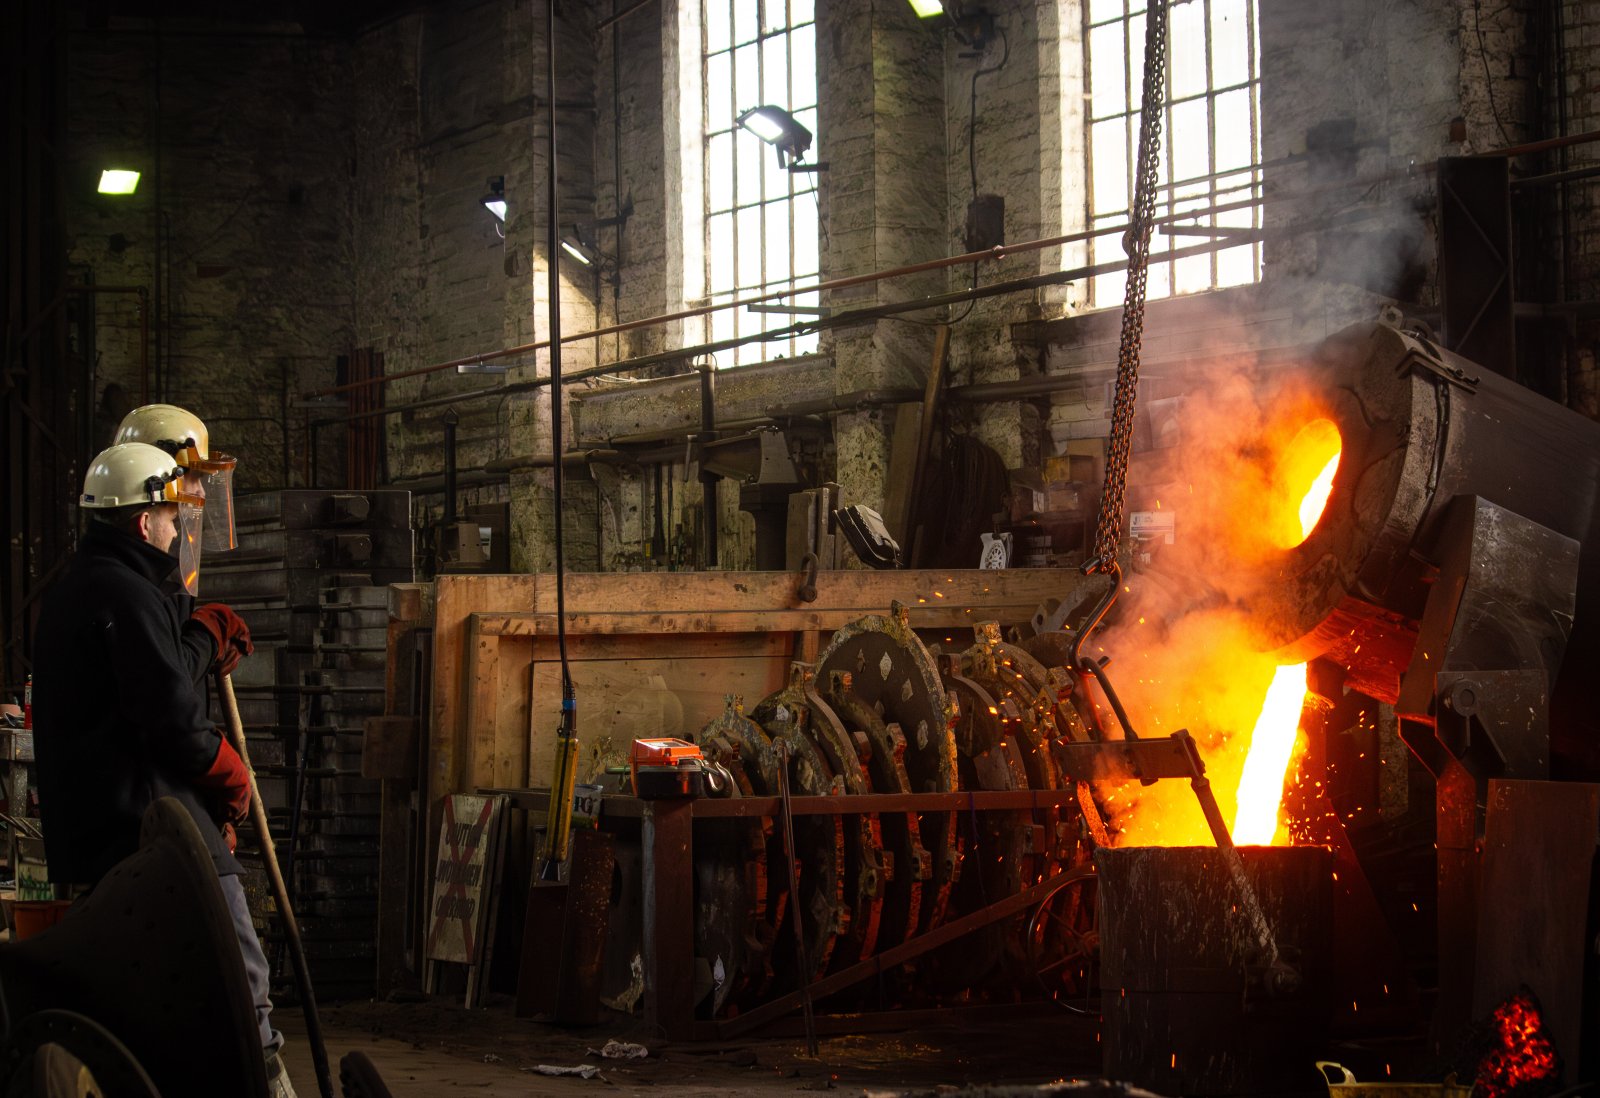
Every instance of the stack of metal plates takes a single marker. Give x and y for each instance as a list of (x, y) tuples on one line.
[(310, 579)]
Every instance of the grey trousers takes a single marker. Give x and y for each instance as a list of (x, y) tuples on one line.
[(255, 961)]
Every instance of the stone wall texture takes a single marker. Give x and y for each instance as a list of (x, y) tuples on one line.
[(315, 194)]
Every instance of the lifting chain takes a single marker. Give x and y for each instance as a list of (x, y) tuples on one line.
[(1108, 532)]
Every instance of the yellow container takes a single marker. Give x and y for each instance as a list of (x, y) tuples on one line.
[(1342, 1084)]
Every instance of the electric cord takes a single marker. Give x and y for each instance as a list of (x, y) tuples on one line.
[(1488, 79)]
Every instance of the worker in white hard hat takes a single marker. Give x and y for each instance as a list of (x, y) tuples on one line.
[(216, 636), (120, 718), (208, 476)]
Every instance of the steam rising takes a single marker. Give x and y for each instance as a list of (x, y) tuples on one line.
[(1251, 445)]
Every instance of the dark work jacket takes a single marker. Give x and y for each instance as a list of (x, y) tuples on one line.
[(118, 717)]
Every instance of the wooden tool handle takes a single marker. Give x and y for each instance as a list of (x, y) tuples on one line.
[(280, 890)]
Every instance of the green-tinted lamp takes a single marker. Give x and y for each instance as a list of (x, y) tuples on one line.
[(118, 181)]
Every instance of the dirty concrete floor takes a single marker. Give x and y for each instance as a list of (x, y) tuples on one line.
[(437, 1048)]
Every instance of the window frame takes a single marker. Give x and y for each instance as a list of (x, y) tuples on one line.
[(1236, 186), (725, 256)]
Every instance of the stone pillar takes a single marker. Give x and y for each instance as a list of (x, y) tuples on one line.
[(882, 134)]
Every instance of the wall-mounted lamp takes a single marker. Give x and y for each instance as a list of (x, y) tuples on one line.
[(495, 200), (972, 27), (780, 129), (579, 247), (119, 181), (580, 242)]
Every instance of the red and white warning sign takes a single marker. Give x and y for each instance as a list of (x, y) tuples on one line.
[(461, 894)]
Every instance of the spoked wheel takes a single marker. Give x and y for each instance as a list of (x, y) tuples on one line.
[(1064, 943), (59, 1054)]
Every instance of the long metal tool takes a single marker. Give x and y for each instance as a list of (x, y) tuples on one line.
[(795, 905), (280, 891)]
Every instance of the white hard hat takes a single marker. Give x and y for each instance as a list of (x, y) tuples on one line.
[(183, 434), (176, 430), (134, 473)]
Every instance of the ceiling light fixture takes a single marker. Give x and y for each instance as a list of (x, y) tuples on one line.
[(927, 9), (778, 128), (119, 181)]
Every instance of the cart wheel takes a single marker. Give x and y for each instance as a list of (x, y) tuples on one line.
[(359, 1078), (58, 1054), (1064, 943)]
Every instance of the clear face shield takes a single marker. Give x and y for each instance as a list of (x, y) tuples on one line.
[(205, 515)]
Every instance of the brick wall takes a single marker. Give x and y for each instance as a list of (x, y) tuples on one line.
[(249, 204), (322, 194)]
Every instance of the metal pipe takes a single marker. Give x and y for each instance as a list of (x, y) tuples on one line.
[(617, 17), (998, 252), (845, 319), (708, 480), (558, 830), (450, 421)]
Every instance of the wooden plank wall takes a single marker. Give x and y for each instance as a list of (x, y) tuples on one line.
[(496, 679)]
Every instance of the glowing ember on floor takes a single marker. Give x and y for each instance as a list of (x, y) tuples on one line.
[(1521, 1053)]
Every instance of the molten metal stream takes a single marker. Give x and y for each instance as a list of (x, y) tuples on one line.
[(1255, 821)]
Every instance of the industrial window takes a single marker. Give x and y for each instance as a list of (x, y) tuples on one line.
[(1210, 161), (760, 219)]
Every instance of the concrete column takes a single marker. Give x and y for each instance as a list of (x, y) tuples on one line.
[(882, 123)]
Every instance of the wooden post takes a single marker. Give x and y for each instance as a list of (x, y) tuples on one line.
[(667, 837)]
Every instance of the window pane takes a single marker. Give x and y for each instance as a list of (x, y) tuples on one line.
[(746, 17), (719, 170), (1234, 147), (1186, 47), (1237, 266), (749, 152), (746, 76), (1101, 10), (720, 110), (718, 26), (1108, 80), (759, 236), (775, 71), (1191, 134), (804, 211), (1135, 60), (1230, 43), (775, 180), (777, 228), (722, 327), (719, 250), (1193, 272), (1110, 152), (803, 68), (749, 246)]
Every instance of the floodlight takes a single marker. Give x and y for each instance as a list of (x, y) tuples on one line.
[(575, 246), (118, 181), (495, 200), (778, 128), (927, 9)]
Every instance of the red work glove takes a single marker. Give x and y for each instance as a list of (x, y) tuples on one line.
[(231, 837), (229, 783), (228, 632)]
